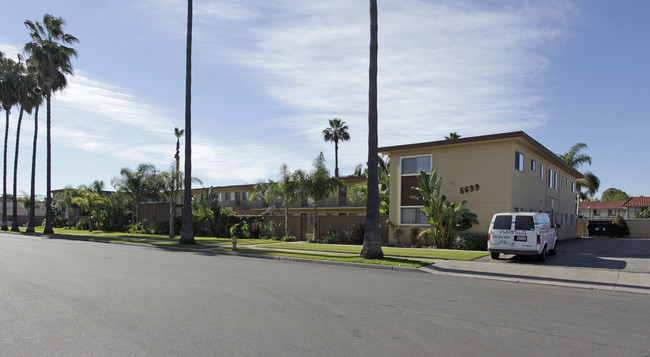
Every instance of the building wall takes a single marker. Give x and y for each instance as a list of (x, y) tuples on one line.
[(490, 166)]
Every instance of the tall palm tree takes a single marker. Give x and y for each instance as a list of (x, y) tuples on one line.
[(10, 73), (187, 232), (337, 131), (52, 59), (371, 240), (574, 158), (27, 99), (38, 99)]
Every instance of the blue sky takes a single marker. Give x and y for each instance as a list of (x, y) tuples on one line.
[(267, 75)]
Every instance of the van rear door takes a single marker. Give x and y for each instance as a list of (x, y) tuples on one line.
[(501, 235), (524, 237)]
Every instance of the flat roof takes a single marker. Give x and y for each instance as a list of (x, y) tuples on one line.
[(485, 138)]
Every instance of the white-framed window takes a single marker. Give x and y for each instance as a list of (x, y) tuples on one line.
[(610, 213), (519, 161), (230, 196), (596, 212), (550, 178), (541, 171), (533, 165), (410, 209), (413, 165), (555, 180), (573, 186), (412, 215)]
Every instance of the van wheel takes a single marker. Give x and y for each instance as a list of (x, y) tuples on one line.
[(554, 250), (495, 255), (542, 256)]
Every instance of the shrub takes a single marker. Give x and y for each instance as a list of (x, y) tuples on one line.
[(289, 239), (357, 233), (161, 227), (240, 230), (82, 225), (336, 236), (309, 237), (140, 228), (413, 235), (472, 241), (620, 227), (269, 230)]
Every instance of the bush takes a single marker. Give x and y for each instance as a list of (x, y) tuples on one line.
[(289, 239), (269, 230), (335, 236), (82, 225), (240, 230), (309, 237), (413, 235), (620, 227), (161, 227), (472, 241), (357, 233)]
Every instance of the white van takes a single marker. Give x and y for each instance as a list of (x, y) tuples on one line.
[(527, 233)]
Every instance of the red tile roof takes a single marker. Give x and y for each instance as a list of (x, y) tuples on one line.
[(601, 204), (638, 202)]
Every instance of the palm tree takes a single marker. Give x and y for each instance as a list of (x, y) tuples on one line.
[(574, 158), (371, 240), (318, 185), (288, 189), (134, 184), (452, 136), (88, 201), (27, 99), (38, 99), (337, 131), (52, 60), (10, 72), (175, 182), (187, 232)]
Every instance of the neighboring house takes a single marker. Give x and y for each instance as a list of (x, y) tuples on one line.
[(602, 209), (493, 173), (610, 209)]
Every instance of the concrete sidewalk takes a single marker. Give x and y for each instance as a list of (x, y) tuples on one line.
[(597, 279)]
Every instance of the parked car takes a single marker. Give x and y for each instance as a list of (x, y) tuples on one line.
[(527, 233)]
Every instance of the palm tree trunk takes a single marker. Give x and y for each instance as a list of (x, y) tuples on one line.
[(286, 220), (316, 234), (48, 198), (336, 158), (187, 232), (372, 241), (4, 177), (14, 222), (172, 211), (32, 203)]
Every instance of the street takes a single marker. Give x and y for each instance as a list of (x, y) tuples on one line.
[(76, 298)]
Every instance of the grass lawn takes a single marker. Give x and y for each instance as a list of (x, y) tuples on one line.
[(331, 257), (388, 251), (200, 240)]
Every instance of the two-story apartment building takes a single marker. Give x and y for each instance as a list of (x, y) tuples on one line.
[(610, 209), (493, 173)]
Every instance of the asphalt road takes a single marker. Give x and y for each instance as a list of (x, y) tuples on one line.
[(74, 298), (630, 255)]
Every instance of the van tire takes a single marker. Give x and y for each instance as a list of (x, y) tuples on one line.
[(494, 255), (542, 256), (554, 250)]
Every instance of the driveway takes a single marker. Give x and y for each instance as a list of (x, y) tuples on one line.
[(630, 255)]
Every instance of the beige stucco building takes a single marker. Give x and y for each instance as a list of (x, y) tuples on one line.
[(493, 173)]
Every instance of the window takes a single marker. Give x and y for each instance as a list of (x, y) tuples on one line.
[(219, 197), (596, 212), (502, 222), (519, 161), (524, 223), (413, 165), (550, 178), (567, 183), (555, 181), (610, 213), (413, 215), (541, 171), (230, 196), (410, 208), (533, 165), (573, 186), (246, 196)]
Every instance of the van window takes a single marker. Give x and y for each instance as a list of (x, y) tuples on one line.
[(524, 223), (502, 222)]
